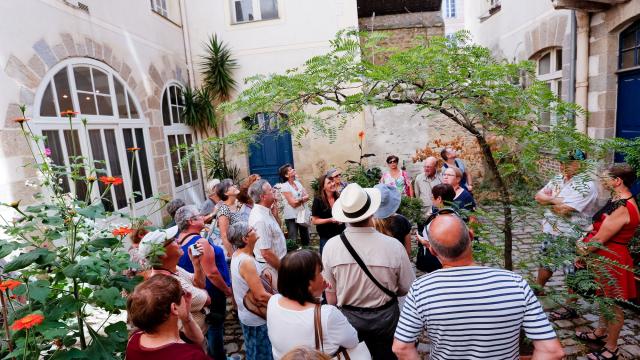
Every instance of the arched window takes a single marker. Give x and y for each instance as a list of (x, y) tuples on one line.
[(629, 46), (179, 136), (113, 124), (549, 70)]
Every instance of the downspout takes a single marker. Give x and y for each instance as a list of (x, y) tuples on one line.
[(582, 67), (571, 89)]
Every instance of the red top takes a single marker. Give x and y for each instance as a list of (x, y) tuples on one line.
[(174, 351)]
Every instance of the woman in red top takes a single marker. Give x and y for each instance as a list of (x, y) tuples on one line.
[(154, 307), (613, 228)]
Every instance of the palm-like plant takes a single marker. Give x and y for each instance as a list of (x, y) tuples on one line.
[(217, 68), (199, 110)]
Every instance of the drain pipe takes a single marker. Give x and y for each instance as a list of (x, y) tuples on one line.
[(571, 89), (582, 67), (186, 39)]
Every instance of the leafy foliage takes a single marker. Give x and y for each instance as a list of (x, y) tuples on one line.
[(217, 68), (64, 253), (199, 111)]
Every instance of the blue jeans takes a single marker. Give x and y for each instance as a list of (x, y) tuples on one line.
[(256, 342), (215, 334)]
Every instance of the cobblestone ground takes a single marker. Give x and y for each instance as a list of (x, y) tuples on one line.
[(525, 249)]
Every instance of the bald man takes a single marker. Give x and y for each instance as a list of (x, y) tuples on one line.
[(424, 182), (470, 311)]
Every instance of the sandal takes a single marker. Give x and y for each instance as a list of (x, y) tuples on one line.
[(563, 314), (591, 336), (603, 354)]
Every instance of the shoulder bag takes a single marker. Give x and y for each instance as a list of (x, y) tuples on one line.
[(364, 268), (360, 352)]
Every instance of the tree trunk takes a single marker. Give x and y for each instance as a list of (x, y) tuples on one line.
[(506, 200)]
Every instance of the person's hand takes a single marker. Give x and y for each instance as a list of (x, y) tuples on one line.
[(334, 221), (469, 187), (547, 191), (579, 263), (327, 285), (423, 241), (228, 291), (195, 260), (305, 198)]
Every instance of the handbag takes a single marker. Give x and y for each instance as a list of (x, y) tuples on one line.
[(252, 304), (304, 216), (360, 352)]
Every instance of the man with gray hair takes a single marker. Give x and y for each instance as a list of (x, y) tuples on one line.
[(470, 311), (424, 182), (271, 245)]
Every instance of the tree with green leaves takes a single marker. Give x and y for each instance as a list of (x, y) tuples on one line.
[(499, 103)]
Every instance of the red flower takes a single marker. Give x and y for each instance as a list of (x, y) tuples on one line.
[(133, 149), (9, 284), (111, 180), (361, 135), (69, 113), (20, 120), (27, 322), (122, 231)]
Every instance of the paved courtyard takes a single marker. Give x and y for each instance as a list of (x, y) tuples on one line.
[(525, 248)]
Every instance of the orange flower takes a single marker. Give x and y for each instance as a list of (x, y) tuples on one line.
[(27, 322), (122, 231), (9, 284), (361, 135), (69, 113), (20, 120), (132, 149), (111, 180)]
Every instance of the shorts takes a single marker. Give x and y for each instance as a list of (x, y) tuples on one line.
[(558, 252)]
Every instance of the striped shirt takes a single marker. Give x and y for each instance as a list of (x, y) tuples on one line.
[(472, 312)]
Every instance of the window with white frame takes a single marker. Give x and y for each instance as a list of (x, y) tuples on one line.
[(113, 124), (160, 7), (243, 11), (449, 8), (179, 137), (549, 70)]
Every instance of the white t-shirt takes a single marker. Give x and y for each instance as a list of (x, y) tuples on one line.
[(292, 328), (240, 289), (579, 193), (290, 212)]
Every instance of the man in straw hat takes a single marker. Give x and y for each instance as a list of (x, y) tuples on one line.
[(366, 270)]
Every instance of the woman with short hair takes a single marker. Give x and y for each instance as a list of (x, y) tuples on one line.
[(397, 177), (228, 212), (291, 313), (154, 307), (295, 199), (247, 283), (450, 157)]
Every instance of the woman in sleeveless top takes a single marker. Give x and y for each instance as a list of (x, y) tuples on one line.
[(613, 228), (397, 177)]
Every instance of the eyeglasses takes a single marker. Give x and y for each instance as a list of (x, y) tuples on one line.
[(392, 162), (443, 211)]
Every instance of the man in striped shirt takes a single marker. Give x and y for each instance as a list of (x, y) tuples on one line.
[(470, 311)]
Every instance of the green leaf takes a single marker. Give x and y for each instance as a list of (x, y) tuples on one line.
[(70, 354), (7, 247), (93, 211), (23, 260), (39, 290), (102, 243), (118, 331), (109, 298)]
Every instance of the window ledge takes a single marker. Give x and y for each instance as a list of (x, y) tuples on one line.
[(166, 18), (629, 69), (254, 21), (492, 10)]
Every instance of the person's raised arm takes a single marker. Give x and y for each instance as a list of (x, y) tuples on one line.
[(198, 272), (189, 327), (208, 261)]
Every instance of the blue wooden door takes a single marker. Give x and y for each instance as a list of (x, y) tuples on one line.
[(628, 114), (271, 150)]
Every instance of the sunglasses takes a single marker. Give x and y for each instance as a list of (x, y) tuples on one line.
[(392, 162)]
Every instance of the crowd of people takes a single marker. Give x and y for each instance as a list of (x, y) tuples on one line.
[(358, 294)]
